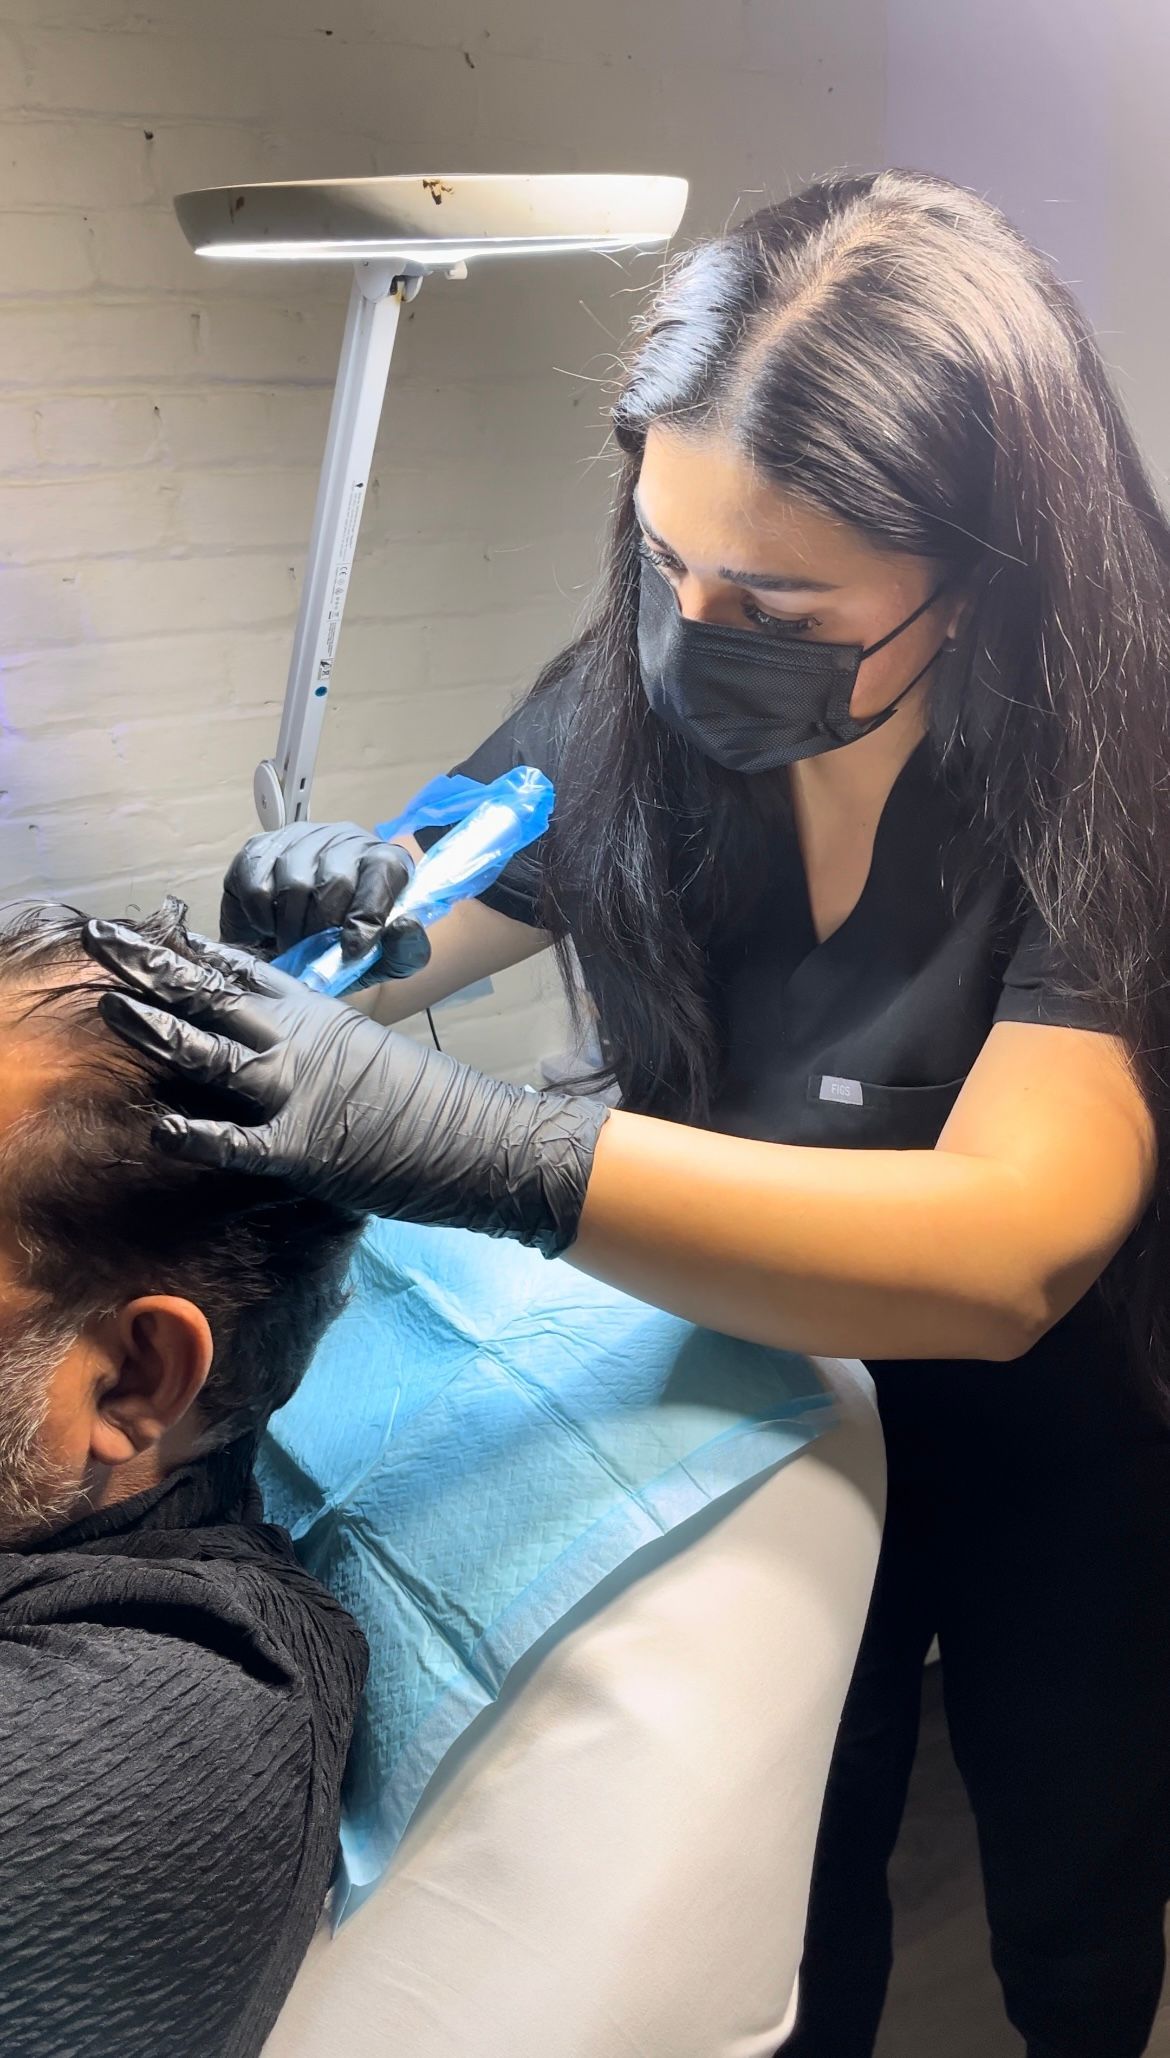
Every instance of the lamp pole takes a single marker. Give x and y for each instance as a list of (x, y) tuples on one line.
[(281, 785)]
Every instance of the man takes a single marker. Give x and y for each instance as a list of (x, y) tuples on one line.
[(176, 1695)]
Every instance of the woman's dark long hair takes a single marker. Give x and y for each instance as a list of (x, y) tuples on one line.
[(889, 349)]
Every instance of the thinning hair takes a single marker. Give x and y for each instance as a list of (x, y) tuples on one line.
[(101, 1217)]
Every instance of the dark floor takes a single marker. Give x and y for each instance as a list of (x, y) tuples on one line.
[(943, 1997)]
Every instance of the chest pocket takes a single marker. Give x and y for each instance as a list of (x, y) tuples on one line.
[(882, 1117)]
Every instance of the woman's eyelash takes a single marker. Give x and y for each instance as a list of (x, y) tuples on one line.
[(778, 625), (658, 557)]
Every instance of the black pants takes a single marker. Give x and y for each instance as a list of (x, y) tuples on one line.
[(1029, 1526)]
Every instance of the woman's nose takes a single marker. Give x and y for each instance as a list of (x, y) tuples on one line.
[(699, 600)]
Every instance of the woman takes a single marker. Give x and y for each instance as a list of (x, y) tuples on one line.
[(863, 850)]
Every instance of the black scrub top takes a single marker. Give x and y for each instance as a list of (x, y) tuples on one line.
[(863, 1040)]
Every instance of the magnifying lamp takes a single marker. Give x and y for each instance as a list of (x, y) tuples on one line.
[(395, 232)]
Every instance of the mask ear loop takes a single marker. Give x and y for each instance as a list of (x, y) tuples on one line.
[(943, 647), (947, 644), (883, 713), (871, 649)]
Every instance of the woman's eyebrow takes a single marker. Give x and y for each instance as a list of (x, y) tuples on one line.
[(761, 582)]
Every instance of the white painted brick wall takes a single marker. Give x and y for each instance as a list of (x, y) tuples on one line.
[(161, 419)]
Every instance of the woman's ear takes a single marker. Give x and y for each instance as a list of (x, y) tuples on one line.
[(158, 1353)]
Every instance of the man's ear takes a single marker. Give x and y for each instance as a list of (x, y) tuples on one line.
[(159, 1352)]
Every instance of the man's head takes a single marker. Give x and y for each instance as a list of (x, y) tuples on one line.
[(148, 1309)]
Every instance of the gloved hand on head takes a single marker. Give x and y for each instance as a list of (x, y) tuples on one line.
[(344, 1110), (291, 883)]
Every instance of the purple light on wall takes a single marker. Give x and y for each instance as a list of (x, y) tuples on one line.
[(1011, 97)]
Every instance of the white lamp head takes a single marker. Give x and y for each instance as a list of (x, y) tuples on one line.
[(431, 224)]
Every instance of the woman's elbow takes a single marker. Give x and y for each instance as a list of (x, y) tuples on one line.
[(997, 1324), (1023, 1319), (1009, 1342)]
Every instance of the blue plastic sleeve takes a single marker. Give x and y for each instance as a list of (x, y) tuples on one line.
[(493, 823)]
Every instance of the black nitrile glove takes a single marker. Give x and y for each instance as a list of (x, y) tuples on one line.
[(291, 883), (346, 1111)]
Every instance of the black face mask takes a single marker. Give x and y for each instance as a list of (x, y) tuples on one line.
[(746, 702)]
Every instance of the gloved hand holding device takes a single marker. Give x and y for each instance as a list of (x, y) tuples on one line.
[(294, 882)]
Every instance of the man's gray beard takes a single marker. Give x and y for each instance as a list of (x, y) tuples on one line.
[(36, 1495)]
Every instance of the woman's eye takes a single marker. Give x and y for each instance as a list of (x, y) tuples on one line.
[(772, 625), (666, 565), (779, 625)]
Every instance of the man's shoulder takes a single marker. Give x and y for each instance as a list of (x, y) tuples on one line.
[(233, 1627), (173, 1742), (289, 1613)]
